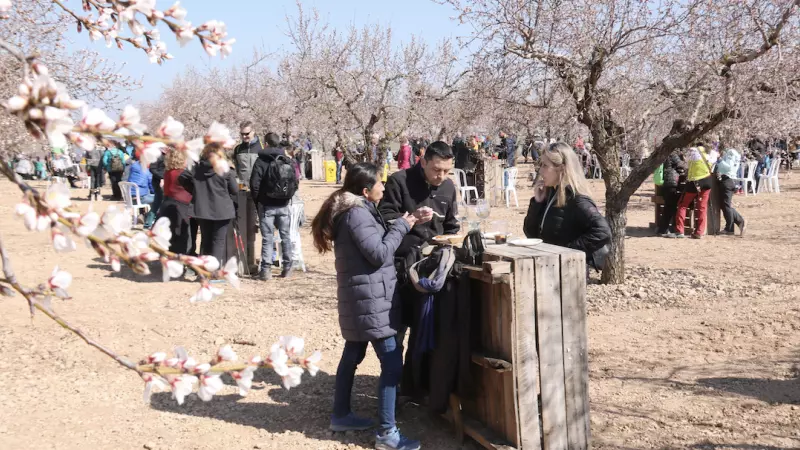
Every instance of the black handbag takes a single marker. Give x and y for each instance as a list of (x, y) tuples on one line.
[(471, 251)]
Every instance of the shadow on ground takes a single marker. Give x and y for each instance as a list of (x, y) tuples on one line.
[(306, 409)]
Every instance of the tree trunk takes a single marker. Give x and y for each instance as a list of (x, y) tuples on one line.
[(616, 214)]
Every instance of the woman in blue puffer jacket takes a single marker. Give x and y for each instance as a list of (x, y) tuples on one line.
[(369, 311)]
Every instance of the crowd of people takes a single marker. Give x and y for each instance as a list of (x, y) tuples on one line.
[(377, 233)]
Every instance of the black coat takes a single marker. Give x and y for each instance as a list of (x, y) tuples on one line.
[(406, 191), (257, 177), (212, 195), (578, 224)]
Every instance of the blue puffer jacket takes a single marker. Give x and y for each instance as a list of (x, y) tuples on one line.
[(365, 272), (141, 177)]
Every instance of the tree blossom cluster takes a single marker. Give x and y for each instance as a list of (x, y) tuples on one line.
[(182, 373), (113, 238)]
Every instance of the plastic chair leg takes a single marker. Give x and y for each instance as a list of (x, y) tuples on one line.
[(516, 201)]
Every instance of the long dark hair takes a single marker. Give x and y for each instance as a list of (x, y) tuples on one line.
[(359, 177)]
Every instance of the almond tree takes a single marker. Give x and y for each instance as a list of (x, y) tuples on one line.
[(667, 70), (45, 108)]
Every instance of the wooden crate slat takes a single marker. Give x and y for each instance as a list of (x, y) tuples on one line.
[(576, 356), (509, 407), (525, 358), (551, 353), (506, 295)]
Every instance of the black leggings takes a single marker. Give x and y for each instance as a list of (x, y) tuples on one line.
[(214, 234)]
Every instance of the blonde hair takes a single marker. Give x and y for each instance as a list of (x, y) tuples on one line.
[(562, 156), (175, 159)]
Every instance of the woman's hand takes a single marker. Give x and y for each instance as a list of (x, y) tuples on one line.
[(540, 191), (410, 218)]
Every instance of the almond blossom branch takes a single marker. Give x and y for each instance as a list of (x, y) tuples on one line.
[(33, 302)]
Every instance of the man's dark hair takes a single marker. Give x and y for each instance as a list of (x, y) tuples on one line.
[(440, 149), (273, 140), (246, 124)]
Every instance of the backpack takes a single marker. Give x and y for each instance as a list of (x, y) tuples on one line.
[(280, 178), (116, 163), (658, 176)]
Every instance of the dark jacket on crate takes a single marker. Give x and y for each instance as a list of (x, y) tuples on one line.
[(578, 224), (406, 191), (257, 177), (364, 247), (212, 195)]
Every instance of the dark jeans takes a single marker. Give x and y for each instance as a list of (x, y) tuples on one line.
[(95, 177), (390, 353), (215, 233), (671, 196), (193, 229), (158, 197), (732, 217), (270, 218), (115, 177)]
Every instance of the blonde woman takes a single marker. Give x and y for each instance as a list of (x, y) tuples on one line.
[(561, 211)]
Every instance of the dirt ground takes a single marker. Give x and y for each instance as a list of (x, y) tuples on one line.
[(699, 350)]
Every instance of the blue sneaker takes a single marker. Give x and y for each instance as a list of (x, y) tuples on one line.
[(350, 422), (393, 440)]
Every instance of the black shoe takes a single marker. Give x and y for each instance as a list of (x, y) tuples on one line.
[(287, 271), (265, 274)]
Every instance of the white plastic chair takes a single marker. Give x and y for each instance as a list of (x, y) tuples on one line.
[(54, 180), (597, 173), (295, 212), (463, 187), (748, 179), (771, 177), (127, 197), (509, 186), (625, 168)]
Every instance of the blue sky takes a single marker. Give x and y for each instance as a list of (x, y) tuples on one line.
[(262, 24)]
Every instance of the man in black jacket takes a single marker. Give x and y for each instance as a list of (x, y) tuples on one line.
[(272, 212), (426, 184)]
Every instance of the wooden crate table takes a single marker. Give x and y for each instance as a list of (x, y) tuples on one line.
[(531, 370)]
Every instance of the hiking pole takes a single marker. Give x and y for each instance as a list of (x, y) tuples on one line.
[(240, 250)]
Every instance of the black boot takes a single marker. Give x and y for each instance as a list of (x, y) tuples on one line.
[(265, 274)]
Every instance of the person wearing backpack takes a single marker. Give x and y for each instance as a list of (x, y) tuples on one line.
[(114, 162), (272, 185)]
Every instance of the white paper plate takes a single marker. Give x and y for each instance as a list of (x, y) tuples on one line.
[(525, 242)]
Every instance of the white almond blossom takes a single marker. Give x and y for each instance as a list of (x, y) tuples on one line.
[(226, 353), (209, 262), (153, 382), (244, 379), (60, 279), (88, 223), (170, 128), (293, 345), (310, 363), (182, 386), (176, 11), (156, 357), (185, 34), (229, 272), (57, 196), (61, 242), (209, 386), (170, 269), (206, 293)]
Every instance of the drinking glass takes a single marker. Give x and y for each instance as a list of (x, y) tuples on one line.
[(482, 210), (463, 214)]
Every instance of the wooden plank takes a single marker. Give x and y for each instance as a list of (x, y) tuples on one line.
[(482, 435), (525, 359), (506, 300), (551, 351), (458, 421), (576, 356), (498, 365), (509, 410), (497, 267)]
